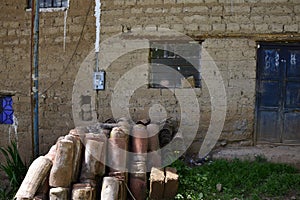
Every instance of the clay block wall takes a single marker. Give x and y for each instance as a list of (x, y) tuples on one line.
[(57, 67), (229, 30), (200, 17)]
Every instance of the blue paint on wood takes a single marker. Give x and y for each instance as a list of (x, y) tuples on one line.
[(6, 110)]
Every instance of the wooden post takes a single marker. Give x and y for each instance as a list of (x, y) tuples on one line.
[(123, 179), (36, 174), (51, 153), (117, 156), (138, 180), (154, 155), (59, 193), (125, 126), (171, 183), (110, 188), (117, 132), (93, 163), (61, 172), (157, 181), (83, 191), (117, 150), (153, 141), (77, 156), (139, 139), (43, 191)]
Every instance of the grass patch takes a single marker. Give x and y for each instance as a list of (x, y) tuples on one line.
[(239, 179)]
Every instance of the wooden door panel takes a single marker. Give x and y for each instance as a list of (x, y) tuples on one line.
[(278, 94)]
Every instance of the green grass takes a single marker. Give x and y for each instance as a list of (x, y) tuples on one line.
[(239, 179)]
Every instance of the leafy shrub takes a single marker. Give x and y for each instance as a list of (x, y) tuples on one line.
[(14, 168)]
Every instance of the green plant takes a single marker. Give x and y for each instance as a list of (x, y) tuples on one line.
[(14, 168), (239, 179), (4, 195), (260, 158), (190, 181)]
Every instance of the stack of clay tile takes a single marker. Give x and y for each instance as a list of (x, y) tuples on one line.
[(75, 167)]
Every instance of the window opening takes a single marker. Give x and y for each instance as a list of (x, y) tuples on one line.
[(51, 3), (175, 64)]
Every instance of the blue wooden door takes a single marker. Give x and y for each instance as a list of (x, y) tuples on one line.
[(278, 93)]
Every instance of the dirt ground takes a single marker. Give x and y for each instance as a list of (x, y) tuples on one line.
[(277, 154)]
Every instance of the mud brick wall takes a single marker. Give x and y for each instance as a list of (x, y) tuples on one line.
[(229, 31), (57, 67), (201, 17)]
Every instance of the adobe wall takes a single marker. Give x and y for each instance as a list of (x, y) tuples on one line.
[(229, 30), (57, 67)]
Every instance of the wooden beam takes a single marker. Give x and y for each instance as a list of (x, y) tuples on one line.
[(278, 37)]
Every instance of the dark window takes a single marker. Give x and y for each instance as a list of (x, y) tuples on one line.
[(51, 3), (6, 110), (175, 64)]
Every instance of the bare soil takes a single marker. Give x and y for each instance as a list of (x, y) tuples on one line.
[(277, 154)]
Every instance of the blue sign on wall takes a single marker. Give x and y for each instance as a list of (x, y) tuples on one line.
[(6, 110)]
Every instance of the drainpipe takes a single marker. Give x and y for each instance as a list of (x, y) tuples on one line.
[(98, 29), (97, 46), (35, 6)]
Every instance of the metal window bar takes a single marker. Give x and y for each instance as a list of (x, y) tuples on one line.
[(50, 3)]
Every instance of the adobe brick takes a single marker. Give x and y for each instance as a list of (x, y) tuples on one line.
[(11, 42), (211, 1), (291, 28), (136, 10), (297, 8), (175, 10), (119, 2), (247, 27), (277, 28), (155, 10), (219, 27), (217, 10), (10, 24), (195, 19), (205, 27), (170, 1), (149, 2), (233, 27), (274, 1), (190, 1), (196, 9), (243, 9), (262, 28), (130, 2), (178, 27), (191, 27)]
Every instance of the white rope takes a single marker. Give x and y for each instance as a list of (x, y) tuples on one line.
[(129, 191)]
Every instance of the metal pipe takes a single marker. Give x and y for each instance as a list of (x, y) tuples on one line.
[(35, 79), (32, 5)]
